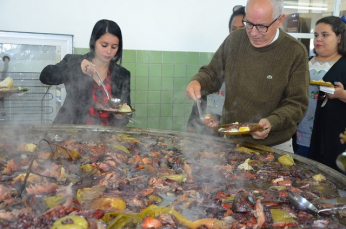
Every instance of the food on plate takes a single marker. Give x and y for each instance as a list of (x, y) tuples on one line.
[(125, 108), (244, 128), (237, 127), (7, 89), (7, 82), (322, 81), (112, 179), (210, 122)]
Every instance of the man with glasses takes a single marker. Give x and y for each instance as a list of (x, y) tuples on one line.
[(213, 103), (266, 76)]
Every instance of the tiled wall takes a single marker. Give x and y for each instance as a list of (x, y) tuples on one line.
[(158, 82)]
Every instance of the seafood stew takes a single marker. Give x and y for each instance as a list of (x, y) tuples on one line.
[(102, 177)]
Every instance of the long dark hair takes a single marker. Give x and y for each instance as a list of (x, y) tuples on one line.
[(339, 28), (107, 26)]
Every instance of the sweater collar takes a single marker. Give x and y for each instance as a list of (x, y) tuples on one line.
[(277, 40)]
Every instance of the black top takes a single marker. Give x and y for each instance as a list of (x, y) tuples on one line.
[(79, 88), (330, 121)]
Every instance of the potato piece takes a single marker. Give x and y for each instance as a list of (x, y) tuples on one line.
[(244, 128), (72, 221), (27, 147), (319, 177), (245, 165), (125, 108), (286, 159), (7, 82)]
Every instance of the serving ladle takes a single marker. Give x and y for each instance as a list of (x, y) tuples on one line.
[(199, 110), (112, 102), (341, 161), (303, 204)]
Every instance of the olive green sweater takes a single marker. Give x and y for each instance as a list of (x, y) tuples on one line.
[(269, 82)]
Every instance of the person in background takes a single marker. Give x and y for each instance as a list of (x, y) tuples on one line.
[(343, 137), (213, 103), (86, 99), (330, 121), (236, 19), (328, 33), (266, 74)]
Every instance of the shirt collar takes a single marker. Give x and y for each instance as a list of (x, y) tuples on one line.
[(276, 35)]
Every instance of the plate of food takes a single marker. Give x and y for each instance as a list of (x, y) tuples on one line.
[(7, 88), (123, 109), (321, 83), (5, 91), (238, 128)]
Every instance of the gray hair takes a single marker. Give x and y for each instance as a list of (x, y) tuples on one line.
[(278, 6)]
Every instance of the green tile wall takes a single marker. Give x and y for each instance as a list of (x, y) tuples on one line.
[(158, 82)]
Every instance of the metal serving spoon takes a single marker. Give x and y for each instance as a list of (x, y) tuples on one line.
[(112, 102), (199, 110), (303, 204), (341, 161)]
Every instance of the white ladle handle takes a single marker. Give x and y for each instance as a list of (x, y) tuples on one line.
[(329, 209), (199, 108), (104, 87)]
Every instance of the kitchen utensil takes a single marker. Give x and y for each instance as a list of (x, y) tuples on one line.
[(341, 161), (199, 110), (112, 102), (324, 101), (341, 200), (303, 204)]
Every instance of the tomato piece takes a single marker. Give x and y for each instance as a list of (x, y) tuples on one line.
[(151, 222), (226, 205), (286, 183), (222, 195)]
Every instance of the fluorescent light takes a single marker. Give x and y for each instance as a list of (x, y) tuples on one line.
[(305, 8)]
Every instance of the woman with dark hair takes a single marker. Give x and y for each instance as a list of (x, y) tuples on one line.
[(86, 99), (327, 111), (236, 19)]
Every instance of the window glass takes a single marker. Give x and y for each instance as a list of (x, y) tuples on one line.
[(301, 16), (343, 8)]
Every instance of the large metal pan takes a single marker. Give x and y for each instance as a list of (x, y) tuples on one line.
[(189, 145), (29, 133)]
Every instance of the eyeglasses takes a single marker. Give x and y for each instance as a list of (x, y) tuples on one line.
[(237, 7), (260, 28)]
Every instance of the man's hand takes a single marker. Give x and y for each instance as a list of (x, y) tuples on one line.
[(263, 134), (193, 90)]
